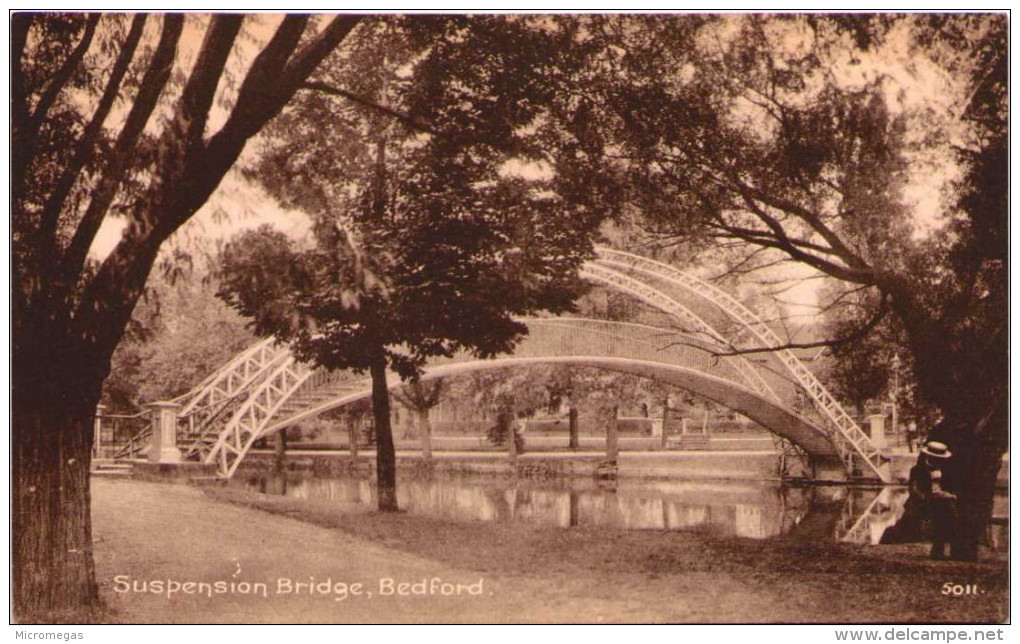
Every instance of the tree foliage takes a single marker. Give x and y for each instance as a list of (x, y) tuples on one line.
[(427, 241), (793, 138), (179, 333)]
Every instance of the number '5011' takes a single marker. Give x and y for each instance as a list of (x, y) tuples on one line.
[(949, 588)]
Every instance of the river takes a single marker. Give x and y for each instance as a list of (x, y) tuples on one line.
[(756, 510)]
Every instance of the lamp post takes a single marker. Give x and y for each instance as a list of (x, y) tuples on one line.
[(895, 394)]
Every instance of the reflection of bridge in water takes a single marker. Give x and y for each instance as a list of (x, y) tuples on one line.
[(719, 509), (264, 389)]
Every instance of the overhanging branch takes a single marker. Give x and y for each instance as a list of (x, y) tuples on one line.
[(406, 119), (858, 334)]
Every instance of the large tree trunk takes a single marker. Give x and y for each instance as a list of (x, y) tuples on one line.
[(971, 473), (425, 429), (54, 573), (977, 449), (969, 384), (386, 456), (976, 493)]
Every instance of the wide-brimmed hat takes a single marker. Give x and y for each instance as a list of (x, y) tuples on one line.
[(936, 449)]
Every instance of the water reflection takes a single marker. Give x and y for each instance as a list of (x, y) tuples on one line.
[(754, 510)]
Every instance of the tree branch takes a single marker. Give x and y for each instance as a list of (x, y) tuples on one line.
[(205, 76), (406, 119), (269, 91), (262, 85), (153, 83), (300, 67), (839, 247), (86, 145), (784, 243), (746, 233), (59, 80), (27, 125), (857, 334)]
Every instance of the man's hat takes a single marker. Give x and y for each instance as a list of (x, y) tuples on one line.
[(936, 449)]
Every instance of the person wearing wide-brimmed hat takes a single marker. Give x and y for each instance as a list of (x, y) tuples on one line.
[(940, 500)]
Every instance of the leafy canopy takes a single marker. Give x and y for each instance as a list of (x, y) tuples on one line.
[(433, 228)]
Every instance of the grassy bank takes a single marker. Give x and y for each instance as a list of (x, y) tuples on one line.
[(727, 580)]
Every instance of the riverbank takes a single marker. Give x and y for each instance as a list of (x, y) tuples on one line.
[(147, 531)]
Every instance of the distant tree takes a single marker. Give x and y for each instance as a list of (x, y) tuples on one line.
[(420, 397), (75, 163), (507, 395), (350, 416)]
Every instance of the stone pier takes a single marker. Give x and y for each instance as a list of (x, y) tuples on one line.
[(164, 433), (877, 430)]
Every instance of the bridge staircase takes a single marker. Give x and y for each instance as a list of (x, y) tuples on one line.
[(110, 467)]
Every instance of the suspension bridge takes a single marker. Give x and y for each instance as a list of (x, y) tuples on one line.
[(705, 349)]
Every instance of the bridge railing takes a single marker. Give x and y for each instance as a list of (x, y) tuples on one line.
[(849, 439), (130, 434)]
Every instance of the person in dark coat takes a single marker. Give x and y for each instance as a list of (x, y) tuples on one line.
[(933, 485)]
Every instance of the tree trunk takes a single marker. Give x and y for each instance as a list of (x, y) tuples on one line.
[(976, 500), (385, 454), (54, 573), (575, 441), (280, 448), (425, 429), (612, 436), (505, 422), (575, 509), (664, 437), (352, 437), (975, 472)]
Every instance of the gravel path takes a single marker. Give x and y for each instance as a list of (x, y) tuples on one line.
[(147, 531)]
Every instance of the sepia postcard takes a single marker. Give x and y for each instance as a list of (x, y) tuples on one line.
[(510, 318)]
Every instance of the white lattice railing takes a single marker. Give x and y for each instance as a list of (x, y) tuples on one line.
[(848, 439), (656, 298), (690, 320)]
